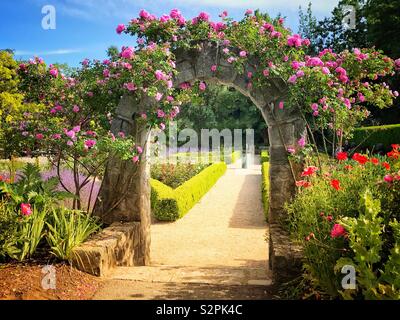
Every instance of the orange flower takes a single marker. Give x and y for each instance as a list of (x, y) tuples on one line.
[(386, 165), (375, 161)]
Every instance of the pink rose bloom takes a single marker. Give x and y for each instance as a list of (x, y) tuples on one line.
[(76, 109), (90, 144), (231, 59), (214, 68), (26, 209), (159, 75), (121, 28), (127, 53), (338, 231), (70, 134), (159, 96), (54, 72), (39, 136), (243, 53), (181, 21), (121, 134), (202, 86), (300, 73), (76, 129), (164, 18), (292, 79), (139, 149), (294, 41), (130, 86), (144, 116), (314, 62), (56, 136), (249, 75), (175, 14), (266, 72), (160, 113), (302, 142), (170, 99), (325, 70), (281, 105), (162, 126), (224, 14), (135, 159), (144, 14), (106, 73), (70, 143), (314, 107), (203, 16), (291, 150), (248, 12)]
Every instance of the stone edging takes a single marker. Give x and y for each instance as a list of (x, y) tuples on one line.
[(113, 246)]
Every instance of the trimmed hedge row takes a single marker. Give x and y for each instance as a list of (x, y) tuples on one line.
[(264, 156), (375, 135), (265, 187), (172, 204), (208, 157)]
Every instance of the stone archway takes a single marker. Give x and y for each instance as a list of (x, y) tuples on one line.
[(125, 191)]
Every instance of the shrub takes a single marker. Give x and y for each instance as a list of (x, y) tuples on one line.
[(171, 204), (325, 216), (67, 229), (370, 137), (265, 187), (264, 156)]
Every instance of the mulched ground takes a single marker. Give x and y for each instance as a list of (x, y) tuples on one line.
[(23, 281)]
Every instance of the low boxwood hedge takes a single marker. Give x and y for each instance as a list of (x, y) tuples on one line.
[(265, 187), (264, 156), (172, 204), (370, 137)]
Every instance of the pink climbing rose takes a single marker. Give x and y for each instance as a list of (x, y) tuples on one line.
[(120, 28), (202, 86), (90, 144), (243, 53), (54, 72), (214, 68)]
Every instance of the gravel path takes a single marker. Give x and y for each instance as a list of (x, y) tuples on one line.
[(217, 251), (226, 228)]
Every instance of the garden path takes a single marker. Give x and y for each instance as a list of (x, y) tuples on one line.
[(218, 250)]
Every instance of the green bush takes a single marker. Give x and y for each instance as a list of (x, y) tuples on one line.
[(264, 156), (172, 204), (369, 137), (265, 187), (209, 157), (68, 229), (333, 199)]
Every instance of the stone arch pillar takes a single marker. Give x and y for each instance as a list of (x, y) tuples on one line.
[(124, 195)]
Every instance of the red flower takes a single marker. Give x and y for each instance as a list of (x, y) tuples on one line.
[(388, 178), (341, 156), (360, 158), (375, 161), (395, 146), (26, 209), (1, 178), (386, 165), (303, 183), (335, 184), (329, 218), (309, 171), (338, 231)]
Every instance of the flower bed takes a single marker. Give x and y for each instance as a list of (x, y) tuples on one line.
[(171, 204), (346, 217)]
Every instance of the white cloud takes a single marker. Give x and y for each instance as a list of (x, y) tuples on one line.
[(46, 53)]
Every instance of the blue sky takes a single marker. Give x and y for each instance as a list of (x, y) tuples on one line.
[(86, 28)]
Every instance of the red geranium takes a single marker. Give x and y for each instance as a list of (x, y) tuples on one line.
[(303, 183), (338, 231), (335, 184), (386, 165), (375, 161), (309, 171), (360, 158), (341, 156)]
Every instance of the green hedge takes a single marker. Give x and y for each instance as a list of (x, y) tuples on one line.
[(264, 156), (172, 204), (265, 187), (385, 135)]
